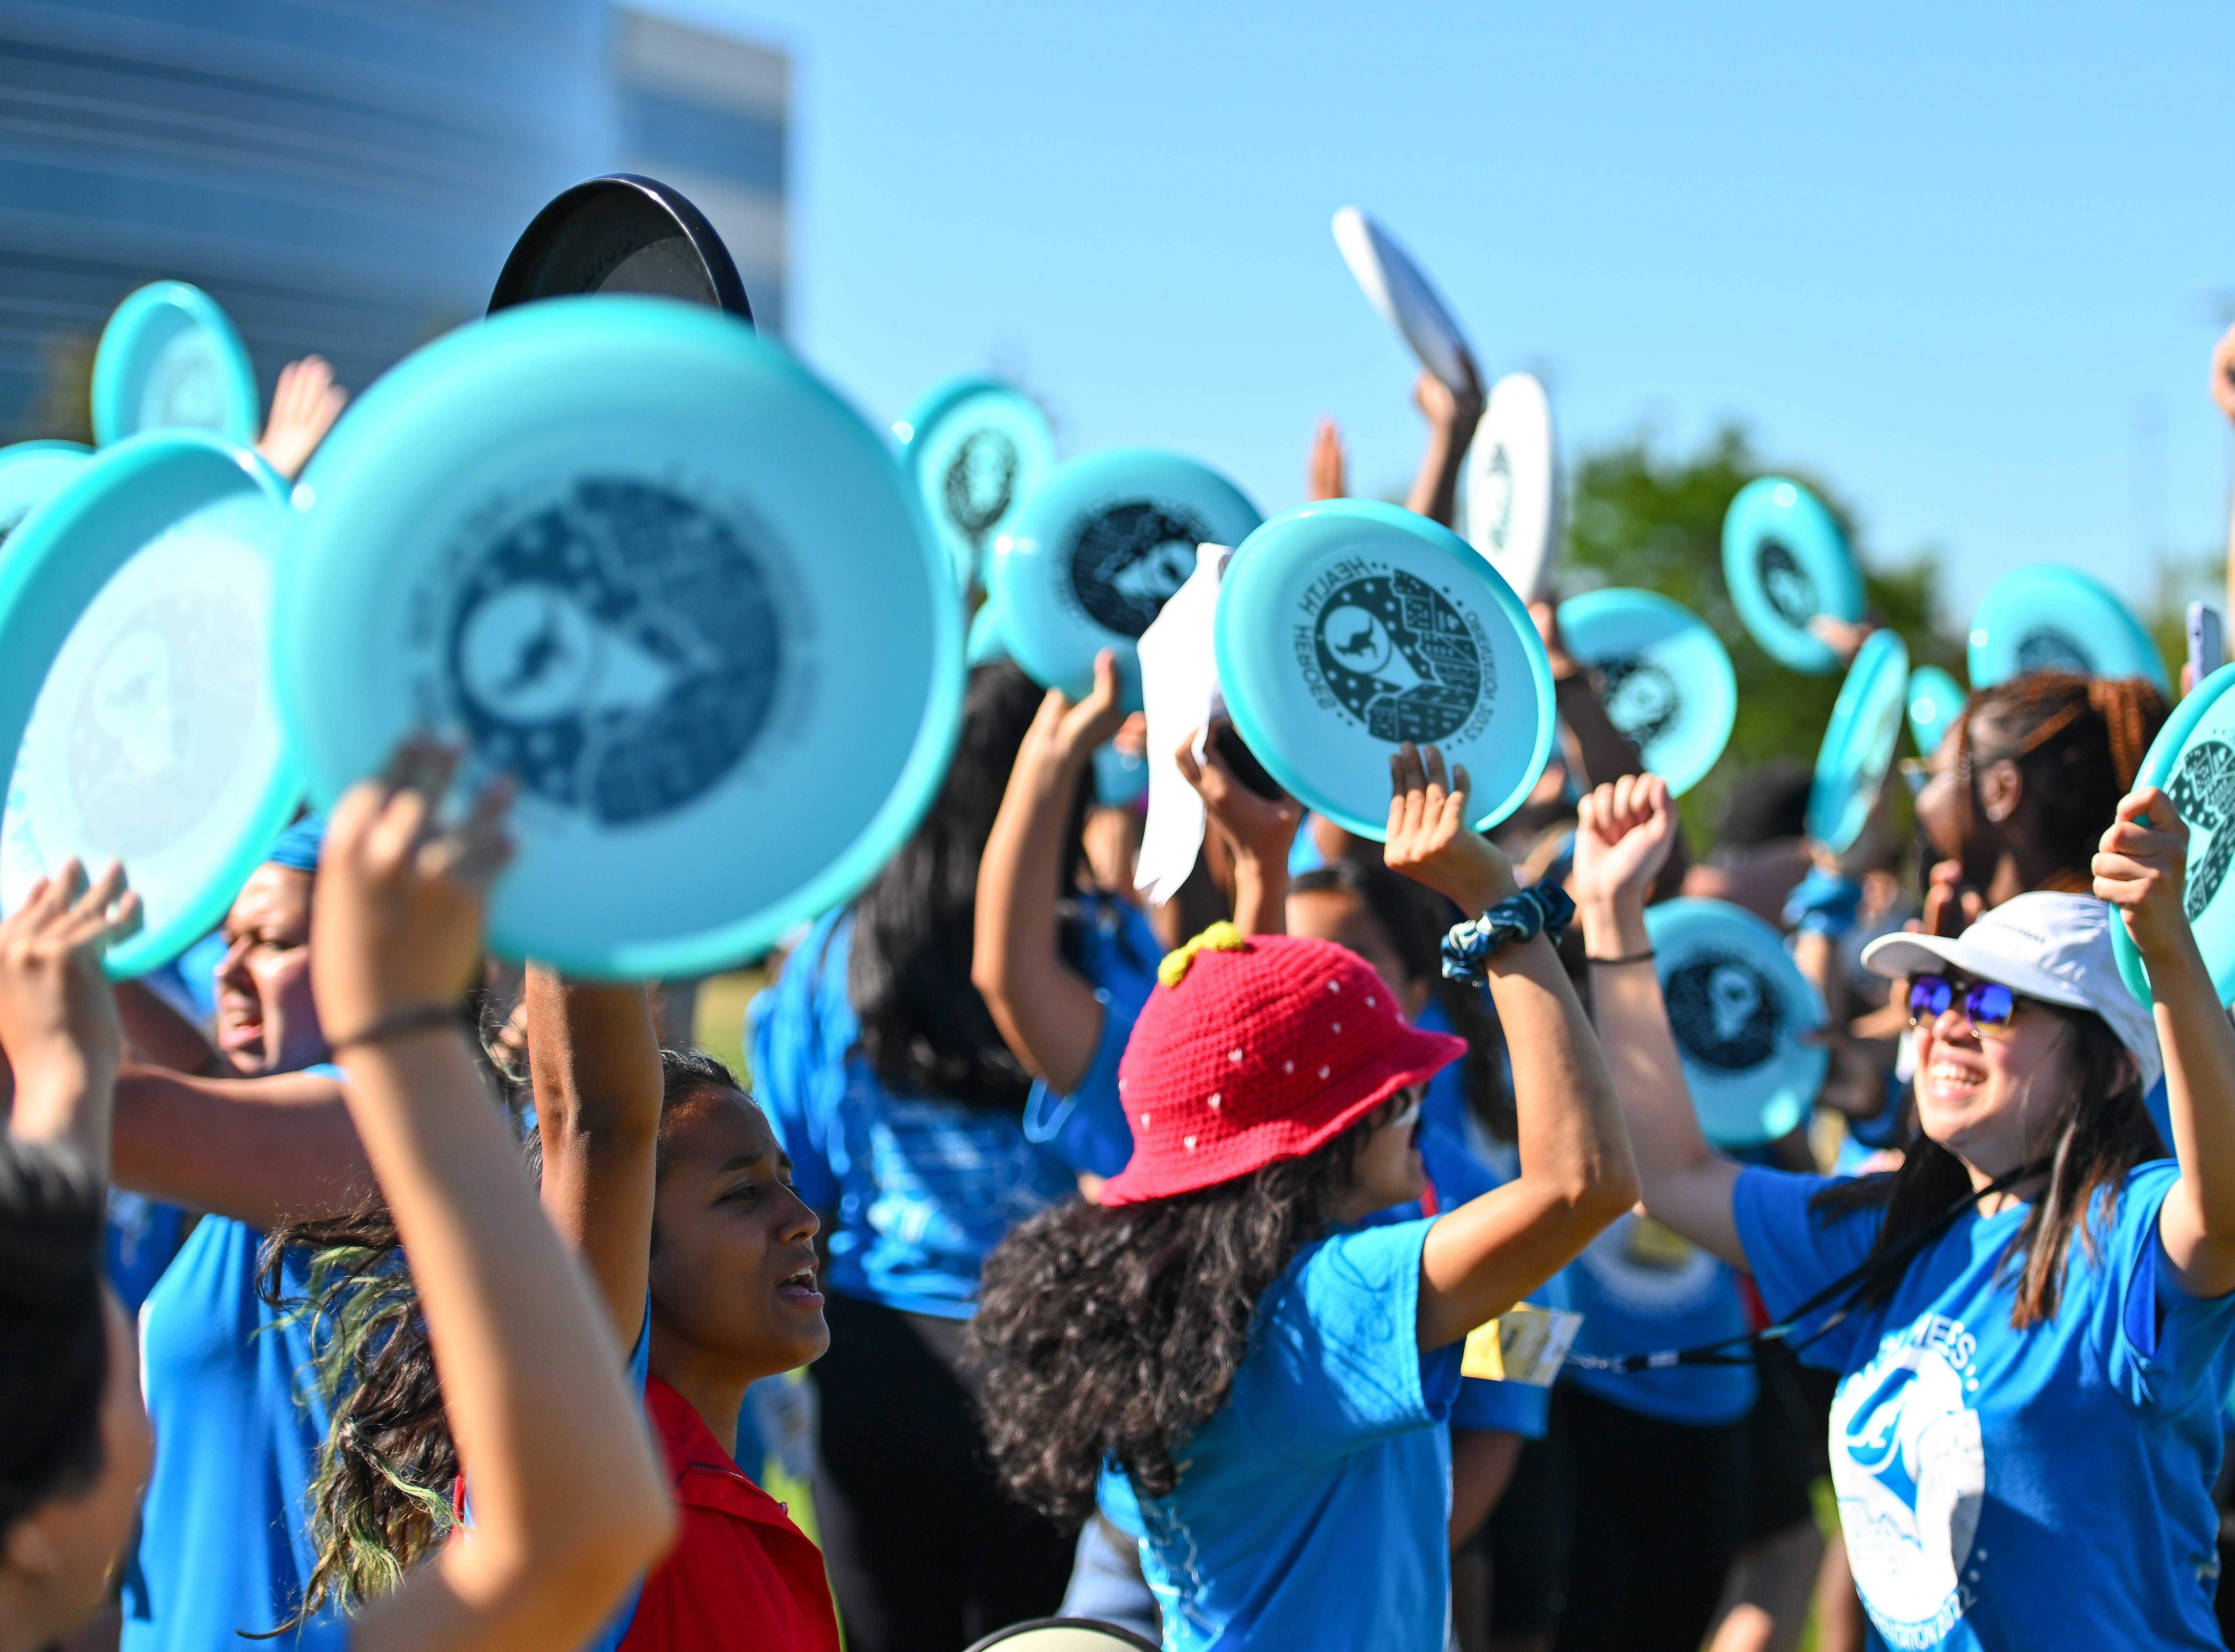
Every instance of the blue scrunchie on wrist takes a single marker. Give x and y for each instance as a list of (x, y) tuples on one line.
[(1544, 909)]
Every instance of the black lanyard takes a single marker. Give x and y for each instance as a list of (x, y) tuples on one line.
[(1755, 1346)]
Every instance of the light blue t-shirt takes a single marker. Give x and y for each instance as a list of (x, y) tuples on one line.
[(2004, 1489), (223, 1545), (1642, 1289), (923, 1188), (1312, 1509)]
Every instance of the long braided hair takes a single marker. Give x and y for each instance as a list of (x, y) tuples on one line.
[(2078, 743)]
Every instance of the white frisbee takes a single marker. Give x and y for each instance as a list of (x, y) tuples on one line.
[(1513, 486), (1395, 286)]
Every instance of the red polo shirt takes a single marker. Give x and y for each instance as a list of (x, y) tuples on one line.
[(742, 1577)]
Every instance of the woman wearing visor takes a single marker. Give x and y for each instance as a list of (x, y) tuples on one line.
[(2032, 1315)]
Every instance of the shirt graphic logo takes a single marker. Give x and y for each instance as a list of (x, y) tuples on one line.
[(1644, 1268), (617, 649), (1642, 699), (1129, 559), (1401, 659), (1912, 1474), (2046, 648), (1724, 1012), (1786, 583), (2202, 790), (981, 483)]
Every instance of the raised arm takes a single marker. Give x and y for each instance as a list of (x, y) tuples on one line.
[(1576, 1172), (258, 1149), (1452, 417), (1605, 753), (1046, 1012), (1622, 836), (593, 1059), (1259, 832), (2141, 870), (568, 1507), (57, 1017), (2222, 396)]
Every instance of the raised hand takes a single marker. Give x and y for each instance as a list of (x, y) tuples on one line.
[(1624, 831), (1327, 477), (57, 1014), (305, 405), (1262, 828), (2142, 868), (1429, 840), (396, 923), (1066, 731), (1950, 909)]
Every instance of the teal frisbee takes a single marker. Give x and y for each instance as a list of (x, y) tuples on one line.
[(1741, 1012), (1859, 742), (1669, 686), (134, 694), (1348, 627), (977, 450), (170, 359), (2046, 618), (627, 552), (2192, 761), (30, 473), (1786, 561), (1097, 551), (1936, 700), (987, 642)]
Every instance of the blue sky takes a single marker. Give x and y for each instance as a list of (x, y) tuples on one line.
[(1965, 262)]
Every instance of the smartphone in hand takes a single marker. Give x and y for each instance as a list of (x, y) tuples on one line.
[(2207, 645)]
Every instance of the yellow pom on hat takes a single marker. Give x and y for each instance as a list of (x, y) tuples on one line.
[(1220, 937)]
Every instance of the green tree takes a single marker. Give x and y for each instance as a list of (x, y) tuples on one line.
[(1644, 518)]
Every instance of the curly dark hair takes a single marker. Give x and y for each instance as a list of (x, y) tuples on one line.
[(1114, 1332), (380, 1498)]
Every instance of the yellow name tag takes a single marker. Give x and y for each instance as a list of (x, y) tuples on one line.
[(1525, 1344)]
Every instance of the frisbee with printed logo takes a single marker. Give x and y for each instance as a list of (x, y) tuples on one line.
[(30, 473), (2046, 618), (1095, 552), (1394, 284), (1348, 627), (640, 559), (621, 233), (1741, 1012), (1859, 742), (136, 690), (1669, 687), (2193, 760), (1936, 700), (1786, 561), (978, 449), (170, 359), (1513, 486)]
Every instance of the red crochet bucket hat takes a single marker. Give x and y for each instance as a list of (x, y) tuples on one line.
[(1256, 1049)]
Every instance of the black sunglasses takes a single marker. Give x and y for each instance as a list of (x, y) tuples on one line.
[(1989, 1006)]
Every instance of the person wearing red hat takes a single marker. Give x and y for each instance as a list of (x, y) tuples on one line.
[(1220, 1342)]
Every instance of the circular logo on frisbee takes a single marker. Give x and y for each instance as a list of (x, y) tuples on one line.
[(2046, 648), (1129, 559), (1401, 659), (1498, 496), (1724, 1012), (1786, 583), (981, 483), (617, 650), (1642, 699), (2202, 790)]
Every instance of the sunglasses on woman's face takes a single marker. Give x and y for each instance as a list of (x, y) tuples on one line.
[(1988, 1006)]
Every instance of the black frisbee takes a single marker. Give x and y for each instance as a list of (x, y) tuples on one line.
[(621, 233)]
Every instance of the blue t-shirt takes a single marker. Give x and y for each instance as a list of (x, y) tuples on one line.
[(1640, 1289), (2007, 1488), (922, 1188), (142, 1235), (1312, 1509), (223, 1545)]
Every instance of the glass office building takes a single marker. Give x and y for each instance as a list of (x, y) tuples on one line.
[(343, 176)]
